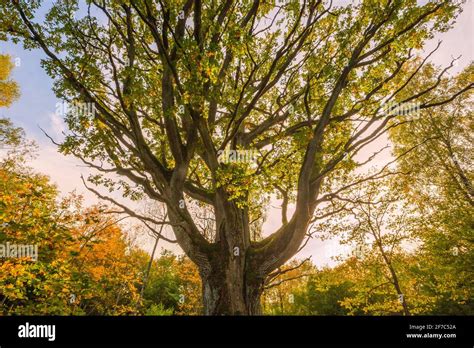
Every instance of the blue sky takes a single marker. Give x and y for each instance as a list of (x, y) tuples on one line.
[(37, 104)]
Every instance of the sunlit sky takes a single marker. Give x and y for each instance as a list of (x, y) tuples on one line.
[(37, 104)]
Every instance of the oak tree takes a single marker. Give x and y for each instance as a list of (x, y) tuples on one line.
[(222, 105)]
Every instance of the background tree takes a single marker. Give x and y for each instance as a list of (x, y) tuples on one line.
[(175, 83), (325, 292), (9, 90), (377, 224), (284, 286), (439, 184), (174, 287), (81, 265), (106, 276), (28, 216)]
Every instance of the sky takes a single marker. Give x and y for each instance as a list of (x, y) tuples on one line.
[(37, 104)]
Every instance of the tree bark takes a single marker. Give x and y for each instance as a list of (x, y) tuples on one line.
[(231, 284), (225, 293), (395, 281)]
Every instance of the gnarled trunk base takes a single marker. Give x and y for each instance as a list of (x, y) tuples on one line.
[(227, 293)]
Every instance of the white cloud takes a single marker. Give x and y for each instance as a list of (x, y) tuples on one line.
[(57, 125)]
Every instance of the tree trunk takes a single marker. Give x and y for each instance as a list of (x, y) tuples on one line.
[(231, 281), (230, 285), (226, 293)]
